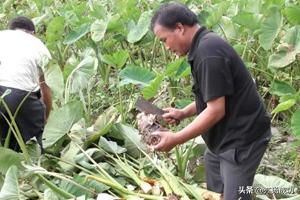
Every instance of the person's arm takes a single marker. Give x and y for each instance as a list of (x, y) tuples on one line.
[(46, 95), (213, 113), (190, 110)]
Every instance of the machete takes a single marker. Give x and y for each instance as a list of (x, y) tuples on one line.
[(149, 108)]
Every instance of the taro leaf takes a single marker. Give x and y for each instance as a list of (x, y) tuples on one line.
[(115, 24), (292, 13), (183, 70), (281, 59), (34, 149), (103, 124), (219, 10), (247, 20), (77, 191), (281, 88), (136, 75), (131, 137), (263, 181), (288, 50), (141, 28), (284, 106), (68, 154), (55, 31), (178, 68), (173, 67), (54, 79), (98, 29), (270, 27), (11, 158), (60, 122), (296, 123), (152, 89), (239, 48), (110, 146), (229, 28), (49, 194), (117, 59), (10, 188), (82, 74), (83, 160), (76, 34)]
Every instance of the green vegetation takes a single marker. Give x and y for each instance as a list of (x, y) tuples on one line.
[(104, 56)]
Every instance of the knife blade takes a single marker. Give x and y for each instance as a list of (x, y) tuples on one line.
[(147, 107)]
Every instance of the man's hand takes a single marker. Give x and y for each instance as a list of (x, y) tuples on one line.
[(167, 140), (173, 115)]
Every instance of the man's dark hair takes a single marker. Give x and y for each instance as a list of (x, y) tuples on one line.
[(21, 22), (169, 14)]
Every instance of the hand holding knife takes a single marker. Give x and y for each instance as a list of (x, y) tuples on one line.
[(149, 108)]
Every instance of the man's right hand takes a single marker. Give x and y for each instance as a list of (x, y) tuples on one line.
[(173, 115)]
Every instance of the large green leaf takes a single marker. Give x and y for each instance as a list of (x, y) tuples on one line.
[(136, 75), (49, 194), (288, 50), (110, 146), (76, 34), (55, 31), (10, 188), (82, 74), (284, 106), (270, 27), (84, 161), (117, 59), (173, 67), (54, 79), (269, 182), (295, 123), (60, 122), (11, 158), (141, 28), (281, 59), (98, 29), (216, 14), (293, 14), (102, 125), (152, 89), (227, 28), (281, 88), (247, 20), (131, 137), (77, 191)]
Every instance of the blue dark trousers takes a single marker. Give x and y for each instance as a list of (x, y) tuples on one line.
[(30, 118), (232, 172)]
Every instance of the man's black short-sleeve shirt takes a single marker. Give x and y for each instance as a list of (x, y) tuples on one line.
[(219, 71)]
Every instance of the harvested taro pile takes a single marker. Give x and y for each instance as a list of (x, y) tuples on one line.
[(147, 124)]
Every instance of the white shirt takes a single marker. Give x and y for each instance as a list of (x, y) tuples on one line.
[(22, 56)]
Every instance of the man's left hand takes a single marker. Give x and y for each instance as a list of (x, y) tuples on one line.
[(167, 140)]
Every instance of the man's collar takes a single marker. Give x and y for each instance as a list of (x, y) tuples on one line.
[(198, 35)]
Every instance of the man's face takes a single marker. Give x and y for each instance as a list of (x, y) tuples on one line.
[(172, 39)]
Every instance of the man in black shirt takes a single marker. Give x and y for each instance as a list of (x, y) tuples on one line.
[(230, 117)]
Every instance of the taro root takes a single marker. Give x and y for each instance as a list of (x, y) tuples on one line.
[(147, 124)]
